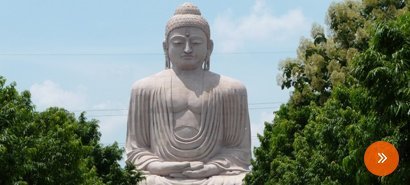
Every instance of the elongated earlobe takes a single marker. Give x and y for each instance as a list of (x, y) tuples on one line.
[(167, 60), (206, 64)]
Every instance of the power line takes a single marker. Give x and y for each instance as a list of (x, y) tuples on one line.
[(75, 54), (123, 144), (123, 115), (263, 107), (264, 103), (123, 109), (109, 115), (99, 110), (136, 53)]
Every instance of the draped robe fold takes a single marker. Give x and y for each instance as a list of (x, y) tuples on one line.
[(223, 138)]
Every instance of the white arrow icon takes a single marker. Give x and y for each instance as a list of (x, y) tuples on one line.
[(382, 157)]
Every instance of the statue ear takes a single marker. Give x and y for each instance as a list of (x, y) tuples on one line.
[(210, 47), (207, 61), (165, 46), (167, 61)]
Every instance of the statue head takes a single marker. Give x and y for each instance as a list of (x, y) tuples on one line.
[(194, 33)]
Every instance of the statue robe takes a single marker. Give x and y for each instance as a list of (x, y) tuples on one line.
[(223, 138)]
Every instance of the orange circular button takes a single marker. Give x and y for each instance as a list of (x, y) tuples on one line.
[(381, 158)]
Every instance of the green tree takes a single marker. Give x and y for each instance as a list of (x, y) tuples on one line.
[(54, 147), (351, 89)]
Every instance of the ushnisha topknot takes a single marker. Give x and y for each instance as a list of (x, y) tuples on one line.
[(187, 15)]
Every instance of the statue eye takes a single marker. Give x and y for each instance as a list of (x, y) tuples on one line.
[(197, 42), (177, 42)]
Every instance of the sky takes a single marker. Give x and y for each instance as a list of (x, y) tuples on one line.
[(84, 55)]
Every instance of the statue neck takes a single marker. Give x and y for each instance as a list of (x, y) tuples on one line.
[(198, 72)]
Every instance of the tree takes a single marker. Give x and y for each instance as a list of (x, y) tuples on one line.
[(53, 147), (350, 89)]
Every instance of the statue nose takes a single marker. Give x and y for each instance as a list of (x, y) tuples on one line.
[(188, 48)]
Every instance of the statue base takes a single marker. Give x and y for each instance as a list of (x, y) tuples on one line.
[(214, 180)]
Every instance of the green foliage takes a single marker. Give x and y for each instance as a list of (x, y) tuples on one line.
[(351, 89), (53, 147)]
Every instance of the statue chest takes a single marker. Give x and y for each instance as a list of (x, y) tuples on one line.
[(187, 97), (186, 105)]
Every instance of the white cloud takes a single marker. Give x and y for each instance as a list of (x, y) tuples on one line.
[(111, 115), (49, 93), (111, 105), (259, 26)]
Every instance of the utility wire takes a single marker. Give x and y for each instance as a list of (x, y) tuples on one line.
[(123, 109), (136, 53), (123, 144), (122, 115)]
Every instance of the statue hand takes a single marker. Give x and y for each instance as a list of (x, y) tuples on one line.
[(165, 168), (207, 171)]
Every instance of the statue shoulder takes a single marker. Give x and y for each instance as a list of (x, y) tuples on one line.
[(151, 82), (227, 84), (230, 83)]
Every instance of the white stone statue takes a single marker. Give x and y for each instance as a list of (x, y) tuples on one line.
[(187, 125)]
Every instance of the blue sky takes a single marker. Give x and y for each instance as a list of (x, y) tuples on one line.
[(85, 54)]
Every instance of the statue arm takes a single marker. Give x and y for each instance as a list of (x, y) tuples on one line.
[(236, 153), (138, 130)]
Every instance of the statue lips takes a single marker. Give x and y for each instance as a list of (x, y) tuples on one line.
[(187, 57)]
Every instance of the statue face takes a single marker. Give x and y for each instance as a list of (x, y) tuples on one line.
[(187, 48)]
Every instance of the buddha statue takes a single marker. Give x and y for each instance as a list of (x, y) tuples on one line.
[(186, 124)]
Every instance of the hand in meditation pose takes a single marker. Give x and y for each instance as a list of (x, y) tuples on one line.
[(187, 125)]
